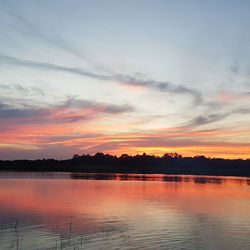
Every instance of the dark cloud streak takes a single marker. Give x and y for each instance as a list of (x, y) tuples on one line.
[(69, 111), (72, 102), (210, 118), (49, 66), (128, 79), (160, 86), (7, 112)]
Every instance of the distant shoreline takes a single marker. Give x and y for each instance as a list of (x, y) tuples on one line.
[(140, 164)]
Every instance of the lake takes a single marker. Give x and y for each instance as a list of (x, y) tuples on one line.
[(123, 211)]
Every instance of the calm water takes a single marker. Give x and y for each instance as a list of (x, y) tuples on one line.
[(87, 211)]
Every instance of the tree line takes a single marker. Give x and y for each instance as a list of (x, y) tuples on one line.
[(170, 163)]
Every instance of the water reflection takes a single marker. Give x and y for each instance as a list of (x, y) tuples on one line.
[(160, 177), (91, 211)]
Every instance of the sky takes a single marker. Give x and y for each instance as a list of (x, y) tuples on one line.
[(132, 76)]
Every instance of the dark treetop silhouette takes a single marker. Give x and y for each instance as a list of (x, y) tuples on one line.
[(171, 163)]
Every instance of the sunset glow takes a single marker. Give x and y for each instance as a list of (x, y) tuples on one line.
[(93, 82)]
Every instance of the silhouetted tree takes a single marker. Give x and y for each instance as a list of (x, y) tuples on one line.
[(169, 163)]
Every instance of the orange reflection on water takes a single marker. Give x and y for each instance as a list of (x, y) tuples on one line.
[(98, 198)]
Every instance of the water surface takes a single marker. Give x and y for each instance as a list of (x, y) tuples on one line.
[(118, 211)]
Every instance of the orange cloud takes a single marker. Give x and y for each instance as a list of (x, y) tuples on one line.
[(91, 139)]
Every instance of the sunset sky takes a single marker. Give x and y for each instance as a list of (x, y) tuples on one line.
[(128, 76)]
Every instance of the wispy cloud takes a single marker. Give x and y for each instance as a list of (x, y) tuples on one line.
[(21, 89), (72, 102), (227, 97), (71, 110), (132, 80), (215, 117), (161, 86), (7, 112), (49, 66), (205, 119), (27, 28)]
